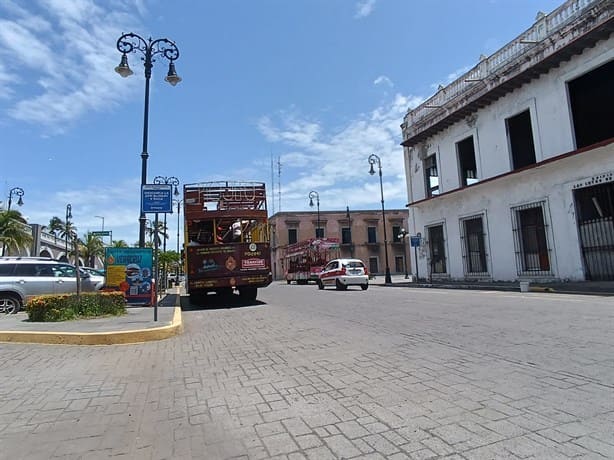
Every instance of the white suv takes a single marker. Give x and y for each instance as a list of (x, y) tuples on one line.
[(342, 273), (25, 277)]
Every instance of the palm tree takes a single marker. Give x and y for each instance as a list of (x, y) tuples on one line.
[(69, 233), (14, 231), (162, 232), (90, 247), (56, 225), (119, 244)]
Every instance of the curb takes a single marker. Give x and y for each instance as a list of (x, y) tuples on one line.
[(98, 338)]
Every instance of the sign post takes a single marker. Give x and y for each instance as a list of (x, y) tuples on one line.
[(415, 242), (156, 198)]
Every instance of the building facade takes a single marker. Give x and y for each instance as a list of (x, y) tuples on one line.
[(510, 168), (360, 234)]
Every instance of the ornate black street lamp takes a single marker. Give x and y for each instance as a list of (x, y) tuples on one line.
[(17, 191), (403, 234), (313, 194), (373, 158), (129, 43), (67, 227)]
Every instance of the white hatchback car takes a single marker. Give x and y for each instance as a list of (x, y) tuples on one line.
[(342, 273)]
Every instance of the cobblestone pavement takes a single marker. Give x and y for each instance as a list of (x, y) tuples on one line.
[(308, 374)]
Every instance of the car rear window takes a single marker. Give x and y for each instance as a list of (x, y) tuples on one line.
[(355, 264), (6, 269), (25, 270)]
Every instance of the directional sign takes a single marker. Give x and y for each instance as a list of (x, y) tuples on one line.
[(102, 233), (157, 198)]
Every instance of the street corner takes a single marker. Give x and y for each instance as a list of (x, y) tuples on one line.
[(114, 336)]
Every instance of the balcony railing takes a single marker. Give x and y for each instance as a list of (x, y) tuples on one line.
[(544, 27)]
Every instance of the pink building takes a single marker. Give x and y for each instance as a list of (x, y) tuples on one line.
[(361, 234)]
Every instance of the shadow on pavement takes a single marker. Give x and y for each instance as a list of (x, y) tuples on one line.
[(214, 301)]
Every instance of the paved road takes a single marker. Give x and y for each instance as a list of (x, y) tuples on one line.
[(386, 373)]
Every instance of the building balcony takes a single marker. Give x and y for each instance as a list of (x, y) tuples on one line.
[(553, 38)]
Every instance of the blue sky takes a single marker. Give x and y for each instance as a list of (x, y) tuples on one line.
[(317, 84)]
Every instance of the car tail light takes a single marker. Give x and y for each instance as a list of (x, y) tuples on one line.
[(366, 271)]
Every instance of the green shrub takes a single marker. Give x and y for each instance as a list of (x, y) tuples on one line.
[(64, 307)]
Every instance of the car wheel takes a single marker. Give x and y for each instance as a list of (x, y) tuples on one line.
[(364, 287), (9, 303), (320, 285), (340, 286)]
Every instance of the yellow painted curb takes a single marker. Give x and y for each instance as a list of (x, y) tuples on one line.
[(98, 338)]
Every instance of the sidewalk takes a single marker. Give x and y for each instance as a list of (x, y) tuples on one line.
[(137, 325), (603, 288)]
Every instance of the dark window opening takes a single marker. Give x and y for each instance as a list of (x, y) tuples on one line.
[(533, 242), (319, 232), (592, 105), (431, 177), (437, 249), (399, 264), (395, 233), (466, 161), (346, 235), (292, 236), (373, 267), (520, 137), (371, 235), (595, 214), (475, 248)]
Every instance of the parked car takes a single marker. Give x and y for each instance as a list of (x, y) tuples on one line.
[(342, 273), (24, 277), (96, 276)]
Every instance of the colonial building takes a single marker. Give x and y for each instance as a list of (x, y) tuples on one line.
[(510, 168), (360, 234)]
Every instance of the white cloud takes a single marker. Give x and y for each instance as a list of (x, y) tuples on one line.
[(364, 8), (63, 50), (383, 80), (333, 161)]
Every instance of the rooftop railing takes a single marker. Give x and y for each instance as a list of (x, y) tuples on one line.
[(544, 27)]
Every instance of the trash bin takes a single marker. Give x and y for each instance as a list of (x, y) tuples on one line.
[(524, 286)]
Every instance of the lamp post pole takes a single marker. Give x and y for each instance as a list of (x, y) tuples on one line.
[(67, 227), (18, 191), (178, 203), (101, 217), (132, 42), (313, 194), (373, 158), (403, 234), (347, 214)]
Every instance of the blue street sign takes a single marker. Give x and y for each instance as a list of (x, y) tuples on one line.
[(414, 241), (157, 198)]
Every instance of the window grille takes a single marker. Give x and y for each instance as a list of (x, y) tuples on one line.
[(533, 253), (437, 249), (473, 243)]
